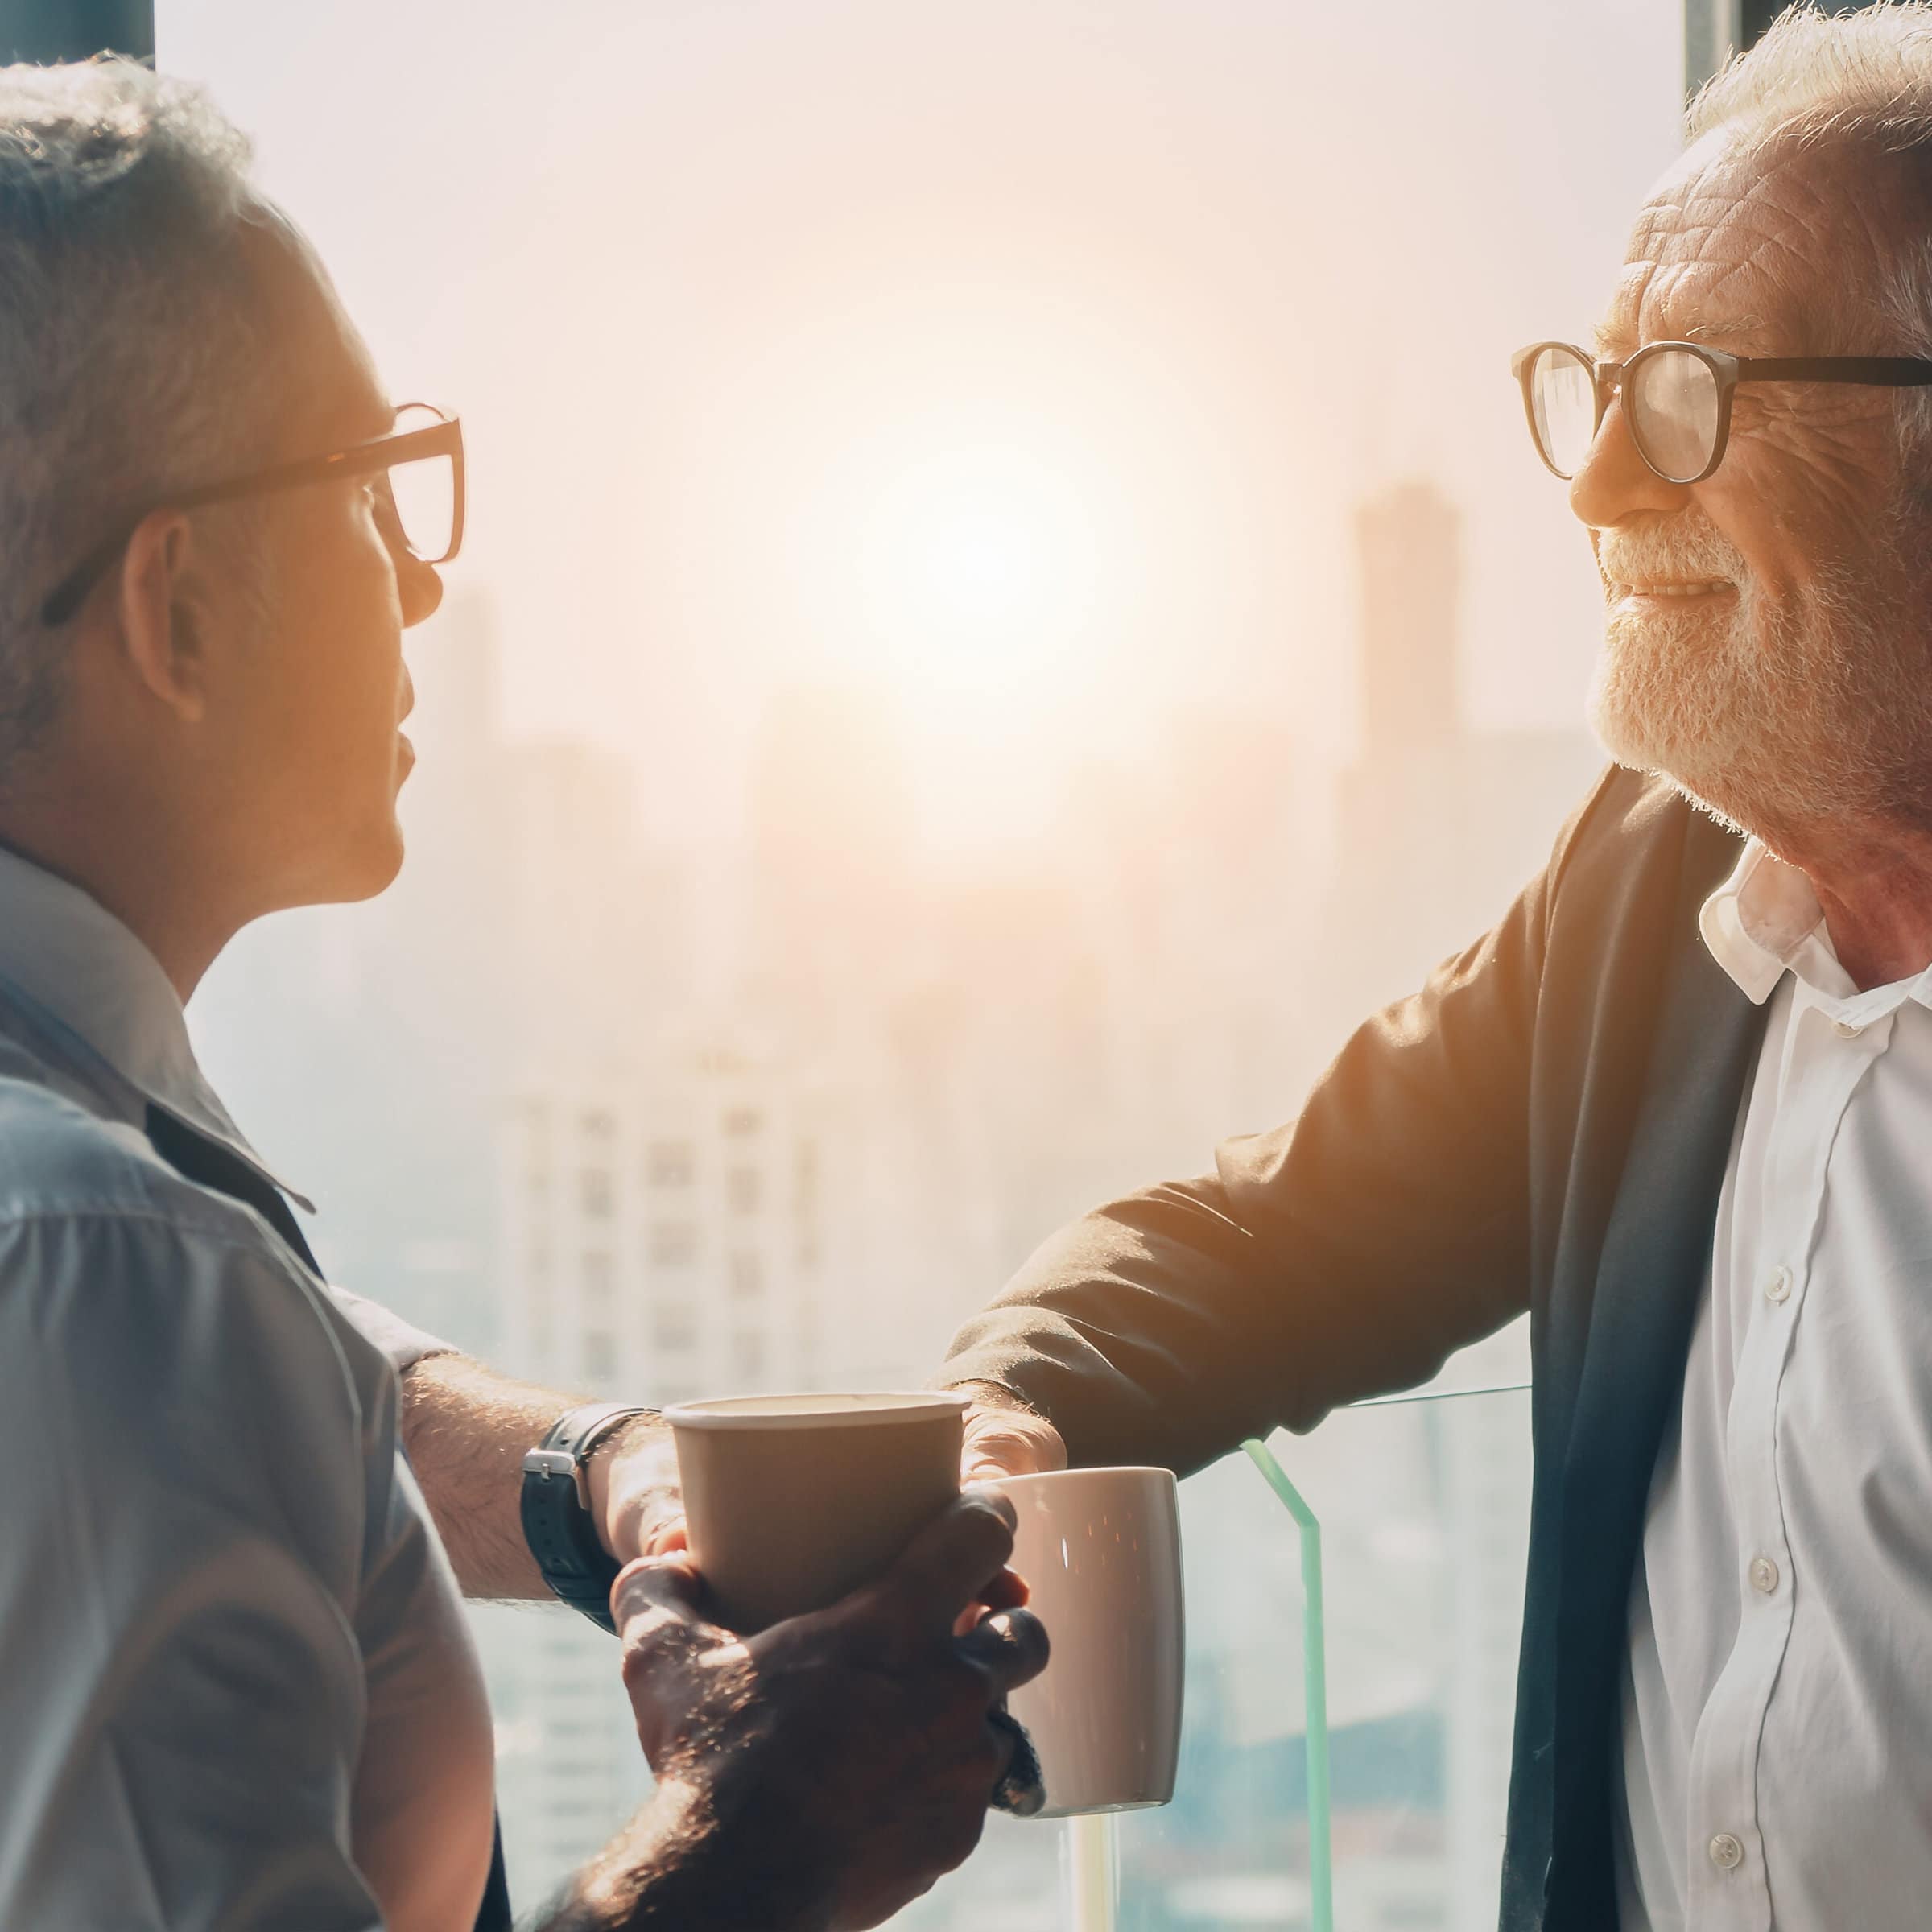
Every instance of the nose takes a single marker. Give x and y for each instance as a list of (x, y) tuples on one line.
[(1614, 484), (418, 585)]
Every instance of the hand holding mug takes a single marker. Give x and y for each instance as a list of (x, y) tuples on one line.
[(844, 1758)]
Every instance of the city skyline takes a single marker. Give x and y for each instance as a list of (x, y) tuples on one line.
[(749, 295)]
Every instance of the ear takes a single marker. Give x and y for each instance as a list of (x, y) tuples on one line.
[(159, 638)]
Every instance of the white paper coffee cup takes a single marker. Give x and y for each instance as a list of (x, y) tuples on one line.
[(794, 1500)]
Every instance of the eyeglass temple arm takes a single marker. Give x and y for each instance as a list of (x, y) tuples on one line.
[(1875, 372)]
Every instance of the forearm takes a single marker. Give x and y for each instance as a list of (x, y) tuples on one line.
[(1344, 1255), (466, 1429), (672, 1867)]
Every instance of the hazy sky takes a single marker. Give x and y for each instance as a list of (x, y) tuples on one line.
[(1018, 360)]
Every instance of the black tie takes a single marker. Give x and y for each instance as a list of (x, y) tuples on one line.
[(196, 1157)]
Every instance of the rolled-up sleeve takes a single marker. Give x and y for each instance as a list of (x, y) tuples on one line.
[(182, 1696)]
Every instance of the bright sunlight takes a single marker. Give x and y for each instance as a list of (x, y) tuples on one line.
[(979, 575)]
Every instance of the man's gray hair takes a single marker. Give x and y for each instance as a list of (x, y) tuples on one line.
[(1861, 79), (131, 331)]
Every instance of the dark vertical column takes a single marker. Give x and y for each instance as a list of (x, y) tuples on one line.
[(44, 32), (1713, 30)]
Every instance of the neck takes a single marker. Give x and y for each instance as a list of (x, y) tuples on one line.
[(134, 866), (1874, 883)]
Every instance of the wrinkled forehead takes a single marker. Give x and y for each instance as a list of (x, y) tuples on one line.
[(1762, 250)]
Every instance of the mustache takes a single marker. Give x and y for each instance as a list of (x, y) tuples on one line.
[(1676, 555)]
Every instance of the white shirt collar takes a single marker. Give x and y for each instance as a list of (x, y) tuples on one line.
[(1765, 920), (77, 970)]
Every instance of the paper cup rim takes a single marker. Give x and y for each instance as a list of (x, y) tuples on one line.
[(876, 1407), (1054, 1475)]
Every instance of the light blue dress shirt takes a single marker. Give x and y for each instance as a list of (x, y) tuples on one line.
[(237, 1687)]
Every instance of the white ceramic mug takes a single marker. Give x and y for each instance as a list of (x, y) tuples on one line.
[(1101, 1548)]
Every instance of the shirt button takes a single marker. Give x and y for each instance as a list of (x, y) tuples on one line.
[(1726, 1854), (1777, 1285), (1846, 1030), (1764, 1574)]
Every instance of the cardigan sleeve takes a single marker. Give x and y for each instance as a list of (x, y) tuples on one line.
[(1345, 1254)]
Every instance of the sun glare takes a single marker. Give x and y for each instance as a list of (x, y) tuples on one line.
[(979, 575)]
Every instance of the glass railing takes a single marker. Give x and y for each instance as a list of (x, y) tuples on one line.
[(1354, 1606)]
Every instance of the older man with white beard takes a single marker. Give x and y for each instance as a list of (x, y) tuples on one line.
[(1677, 1103)]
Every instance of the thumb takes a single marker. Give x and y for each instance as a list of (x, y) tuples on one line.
[(1006, 1441)]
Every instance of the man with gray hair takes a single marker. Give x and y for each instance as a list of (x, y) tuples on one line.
[(238, 1690), (1677, 1105)]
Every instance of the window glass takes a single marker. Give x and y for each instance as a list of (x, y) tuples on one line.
[(673, 1243), (1010, 603), (670, 1164)]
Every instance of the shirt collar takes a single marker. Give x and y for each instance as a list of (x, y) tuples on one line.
[(1765, 919), (72, 966)]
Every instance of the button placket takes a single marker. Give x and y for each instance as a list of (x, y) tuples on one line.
[(1817, 1081)]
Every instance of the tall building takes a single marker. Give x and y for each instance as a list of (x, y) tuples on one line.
[(665, 1234), (1437, 823), (1408, 553), (692, 1225)]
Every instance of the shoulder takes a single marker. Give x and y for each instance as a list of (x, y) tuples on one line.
[(59, 1160), (114, 1264), (1634, 825), (1623, 809)]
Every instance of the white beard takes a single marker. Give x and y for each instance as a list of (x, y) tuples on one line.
[(1775, 719)]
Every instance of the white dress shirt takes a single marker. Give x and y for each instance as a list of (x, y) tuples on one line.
[(237, 1687), (1777, 1697)]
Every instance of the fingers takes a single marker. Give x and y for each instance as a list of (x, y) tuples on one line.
[(947, 1566), (1008, 1591), (667, 1537), (1010, 1646), (1005, 1439), (658, 1593)]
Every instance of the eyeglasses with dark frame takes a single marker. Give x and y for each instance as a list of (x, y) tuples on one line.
[(1677, 398), (437, 537)]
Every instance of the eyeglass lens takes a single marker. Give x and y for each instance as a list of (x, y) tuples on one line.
[(425, 493), (1562, 408), (1672, 398), (1670, 405)]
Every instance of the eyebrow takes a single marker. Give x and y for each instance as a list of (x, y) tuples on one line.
[(1743, 335)]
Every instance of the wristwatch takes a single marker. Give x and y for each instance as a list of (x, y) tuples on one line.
[(558, 1525)]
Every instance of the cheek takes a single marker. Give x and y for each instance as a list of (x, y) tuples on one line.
[(1777, 535), (341, 641)]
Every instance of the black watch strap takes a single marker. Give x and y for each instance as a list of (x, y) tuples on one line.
[(558, 1525)]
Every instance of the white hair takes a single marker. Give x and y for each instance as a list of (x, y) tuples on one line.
[(131, 331), (1855, 80), (1817, 75)]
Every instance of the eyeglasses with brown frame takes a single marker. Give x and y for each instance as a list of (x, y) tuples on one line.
[(426, 516), (1677, 398)]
